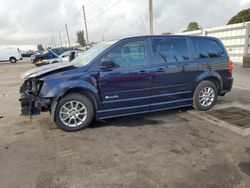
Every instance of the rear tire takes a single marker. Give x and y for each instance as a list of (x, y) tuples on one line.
[(74, 112), (205, 95), (13, 60)]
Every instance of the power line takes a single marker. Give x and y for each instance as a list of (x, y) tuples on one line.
[(90, 4), (96, 7), (97, 16), (105, 8), (92, 12)]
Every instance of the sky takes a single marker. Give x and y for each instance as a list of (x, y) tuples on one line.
[(26, 23)]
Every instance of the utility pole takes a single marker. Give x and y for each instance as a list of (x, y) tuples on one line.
[(86, 27), (60, 37), (151, 31), (67, 32), (65, 37)]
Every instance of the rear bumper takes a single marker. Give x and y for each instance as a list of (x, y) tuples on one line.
[(227, 86)]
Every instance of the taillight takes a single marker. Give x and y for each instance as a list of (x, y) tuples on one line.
[(230, 66)]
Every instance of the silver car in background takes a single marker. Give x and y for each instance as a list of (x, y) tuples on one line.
[(66, 57)]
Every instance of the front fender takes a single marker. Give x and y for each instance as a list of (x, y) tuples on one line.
[(63, 87), (207, 75)]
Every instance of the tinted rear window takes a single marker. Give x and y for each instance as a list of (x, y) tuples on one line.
[(207, 48), (167, 50)]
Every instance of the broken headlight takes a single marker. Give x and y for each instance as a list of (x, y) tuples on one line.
[(32, 86), (36, 86)]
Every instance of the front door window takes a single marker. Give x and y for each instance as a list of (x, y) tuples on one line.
[(129, 55)]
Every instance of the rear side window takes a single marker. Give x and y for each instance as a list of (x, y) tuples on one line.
[(207, 48), (168, 50)]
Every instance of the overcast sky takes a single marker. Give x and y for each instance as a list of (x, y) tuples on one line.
[(26, 23)]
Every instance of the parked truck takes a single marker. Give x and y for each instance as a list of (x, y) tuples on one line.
[(10, 54)]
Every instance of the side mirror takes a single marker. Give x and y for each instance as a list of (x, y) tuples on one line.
[(107, 65)]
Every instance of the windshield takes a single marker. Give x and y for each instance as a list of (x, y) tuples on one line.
[(89, 55), (67, 53)]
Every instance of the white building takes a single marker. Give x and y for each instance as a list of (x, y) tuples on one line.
[(235, 37)]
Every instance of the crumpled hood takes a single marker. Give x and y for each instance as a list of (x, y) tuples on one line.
[(44, 69)]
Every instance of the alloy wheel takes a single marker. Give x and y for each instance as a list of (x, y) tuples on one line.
[(73, 113), (206, 96)]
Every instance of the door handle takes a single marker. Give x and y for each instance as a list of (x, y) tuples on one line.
[(160, 70), (143, 72)]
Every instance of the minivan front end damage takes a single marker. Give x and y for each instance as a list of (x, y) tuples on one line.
[(31, 103)]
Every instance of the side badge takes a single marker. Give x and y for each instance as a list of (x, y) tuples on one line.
[(112, 97)]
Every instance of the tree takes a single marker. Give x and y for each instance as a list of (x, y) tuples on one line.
[(166, 33), (40, 47), (192, 26), (80, 38), (242, 16)]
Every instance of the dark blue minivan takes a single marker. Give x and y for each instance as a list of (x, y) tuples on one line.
[(130, 76)]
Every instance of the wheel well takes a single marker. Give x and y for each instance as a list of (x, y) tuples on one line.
[(86, 93), (38, 59), (12, 57), (215, 81)]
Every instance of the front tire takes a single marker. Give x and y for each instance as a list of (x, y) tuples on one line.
[(38, 62), (205, 95), (13, 60), (74, 112)]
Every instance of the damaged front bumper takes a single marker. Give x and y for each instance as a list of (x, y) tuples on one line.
[(31, 103)]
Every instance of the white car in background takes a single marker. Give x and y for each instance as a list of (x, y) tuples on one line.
[(63, 58), (10, 54)]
